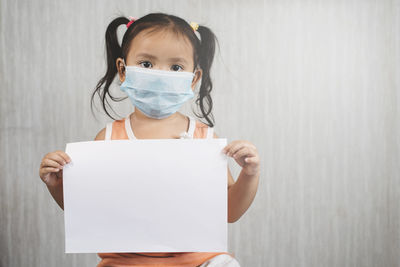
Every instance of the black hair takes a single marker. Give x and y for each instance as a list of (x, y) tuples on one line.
[(203, 55)]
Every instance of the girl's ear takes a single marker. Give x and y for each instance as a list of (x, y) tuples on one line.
[(197, 77), (121, 69)]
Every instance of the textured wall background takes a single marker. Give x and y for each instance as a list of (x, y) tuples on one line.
[(313, 84)]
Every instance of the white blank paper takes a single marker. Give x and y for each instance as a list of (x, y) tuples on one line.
[(147, 195)]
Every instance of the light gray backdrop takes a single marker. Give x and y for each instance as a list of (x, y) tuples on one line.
[(313, 84)]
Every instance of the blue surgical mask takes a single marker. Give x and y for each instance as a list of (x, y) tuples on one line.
[(157, 93)]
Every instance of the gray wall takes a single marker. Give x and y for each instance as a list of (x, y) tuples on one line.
[(313, 84)]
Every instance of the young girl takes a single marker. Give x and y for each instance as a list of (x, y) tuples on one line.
[(159, 62)]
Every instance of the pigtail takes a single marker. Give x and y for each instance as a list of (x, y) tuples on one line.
[(114, 51), (205, 59)]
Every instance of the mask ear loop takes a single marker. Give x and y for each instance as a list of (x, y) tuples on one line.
[(197, 85)]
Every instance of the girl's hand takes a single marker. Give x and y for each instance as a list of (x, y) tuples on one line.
[(245, 154), (50, 170)]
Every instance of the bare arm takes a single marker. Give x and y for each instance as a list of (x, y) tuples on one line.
[(240, 193), (57, 193), (56, 189)]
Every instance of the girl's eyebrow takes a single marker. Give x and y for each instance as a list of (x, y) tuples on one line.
[(154, 57), (178, 59), (146, 55)]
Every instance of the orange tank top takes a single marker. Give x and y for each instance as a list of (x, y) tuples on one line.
[(121, 129)]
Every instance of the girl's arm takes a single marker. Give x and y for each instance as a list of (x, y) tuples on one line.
[(50, 172), (56, 191), (242, 192)]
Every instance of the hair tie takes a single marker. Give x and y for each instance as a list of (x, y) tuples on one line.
[(194, 25), (131, 20)]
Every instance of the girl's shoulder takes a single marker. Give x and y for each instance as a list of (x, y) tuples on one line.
[(202, 130), (116, 126), (116, 129), (200, 124)]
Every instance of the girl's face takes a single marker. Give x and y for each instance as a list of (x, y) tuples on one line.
[(162, 50)]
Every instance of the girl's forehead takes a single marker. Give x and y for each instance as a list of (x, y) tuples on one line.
[(161, 43)]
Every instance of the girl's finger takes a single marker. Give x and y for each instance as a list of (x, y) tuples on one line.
[(244, 151), (227, 147), (56, 157), (251, 160), (235, 148), (51, 163), (64, 156), (50, 169)]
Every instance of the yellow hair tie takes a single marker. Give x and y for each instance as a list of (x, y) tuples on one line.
[(194, 25)]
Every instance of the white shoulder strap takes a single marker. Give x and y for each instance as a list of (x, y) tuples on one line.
[(210, 132), (192, 127), (108, 131)]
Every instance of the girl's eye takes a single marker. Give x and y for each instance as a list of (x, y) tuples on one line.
[(176, 67), (145, 64)]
